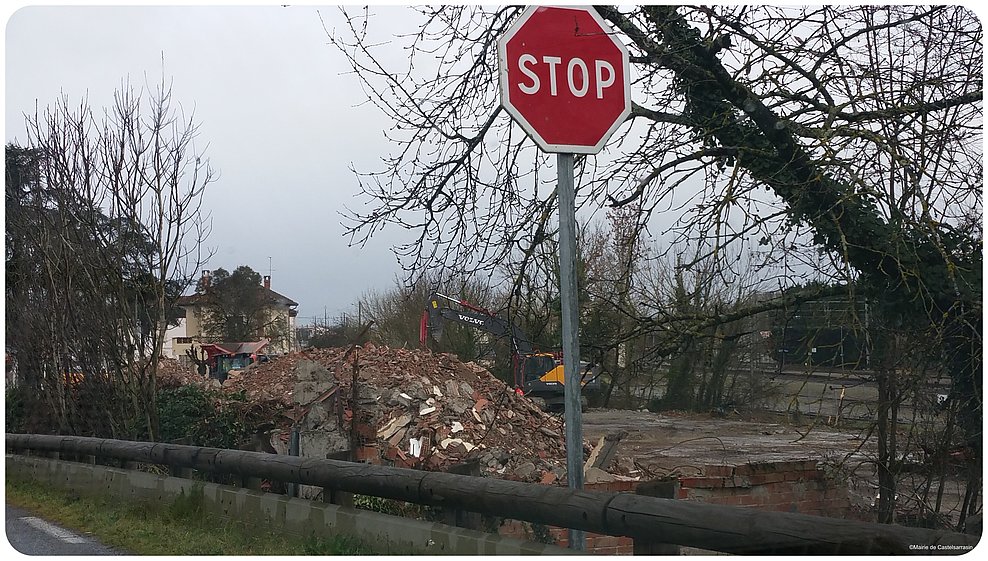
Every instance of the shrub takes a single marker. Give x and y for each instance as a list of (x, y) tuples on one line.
[(192, 415), (14, 410)]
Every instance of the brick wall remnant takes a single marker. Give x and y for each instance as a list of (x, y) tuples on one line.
[(788, 486)]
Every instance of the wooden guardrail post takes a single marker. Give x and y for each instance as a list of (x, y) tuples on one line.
[(663, 489), (180, 471), (333, 495), (294, 442), (458, 516)]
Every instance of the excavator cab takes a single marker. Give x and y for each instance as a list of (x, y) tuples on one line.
[(538, 368), (541, 375)]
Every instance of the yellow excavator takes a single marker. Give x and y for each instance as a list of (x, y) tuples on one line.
[(537, 374)]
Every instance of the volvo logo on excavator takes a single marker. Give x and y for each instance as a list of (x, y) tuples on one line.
[(469, 319)]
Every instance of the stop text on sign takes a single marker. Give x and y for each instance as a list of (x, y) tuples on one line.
[(564, 78), (577, 72)]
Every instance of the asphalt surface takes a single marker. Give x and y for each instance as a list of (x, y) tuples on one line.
[(30, 535)]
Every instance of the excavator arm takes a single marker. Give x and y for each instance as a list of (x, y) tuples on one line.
[(437, 313)]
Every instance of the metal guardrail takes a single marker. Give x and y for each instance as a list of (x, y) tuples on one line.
[(648, 520)]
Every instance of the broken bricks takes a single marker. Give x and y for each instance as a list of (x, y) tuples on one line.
[(416, 408)]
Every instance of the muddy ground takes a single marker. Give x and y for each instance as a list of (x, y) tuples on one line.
[(663, 443), (669, 443)]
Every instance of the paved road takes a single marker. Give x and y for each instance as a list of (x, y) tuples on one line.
[(30, 535)]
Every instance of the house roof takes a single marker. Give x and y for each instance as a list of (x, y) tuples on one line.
[(198, 299), (213, 349)]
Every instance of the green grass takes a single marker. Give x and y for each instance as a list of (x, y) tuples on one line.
[(180, 528)]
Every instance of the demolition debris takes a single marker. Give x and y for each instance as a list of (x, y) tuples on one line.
[(405, 408)]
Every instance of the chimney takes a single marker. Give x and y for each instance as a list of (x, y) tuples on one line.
[(267, 282), (205, 279)]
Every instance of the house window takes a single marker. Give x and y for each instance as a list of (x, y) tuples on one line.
[(183, 340)]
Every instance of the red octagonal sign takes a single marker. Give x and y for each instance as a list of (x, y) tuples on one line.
[(564, 78)]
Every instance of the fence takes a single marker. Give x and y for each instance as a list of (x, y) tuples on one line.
[(649, 521)]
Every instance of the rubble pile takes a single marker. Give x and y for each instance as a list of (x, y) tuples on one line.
[(414, 408), (173, 374), (405, 408)]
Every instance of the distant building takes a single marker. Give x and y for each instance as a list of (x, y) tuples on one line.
[(174, 335), (191, 334)]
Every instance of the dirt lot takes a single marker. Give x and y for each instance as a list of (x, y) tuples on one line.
[(662, 443), (670, 443)]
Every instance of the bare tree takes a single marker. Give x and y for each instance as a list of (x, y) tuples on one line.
[(841, 141), (111, 228)]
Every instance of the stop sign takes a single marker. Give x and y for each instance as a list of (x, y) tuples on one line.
[(564, 78)]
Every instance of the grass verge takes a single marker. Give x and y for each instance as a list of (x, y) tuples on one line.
[(180, 528)]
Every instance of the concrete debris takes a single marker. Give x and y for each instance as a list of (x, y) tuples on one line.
[(392, 427), (407, 408), (597, 475), (603, 453), (525, 470), (415, 447)]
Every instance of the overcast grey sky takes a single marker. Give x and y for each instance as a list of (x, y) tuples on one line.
[(279, 115)]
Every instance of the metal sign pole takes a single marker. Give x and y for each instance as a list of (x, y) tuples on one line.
[(566, 193)]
